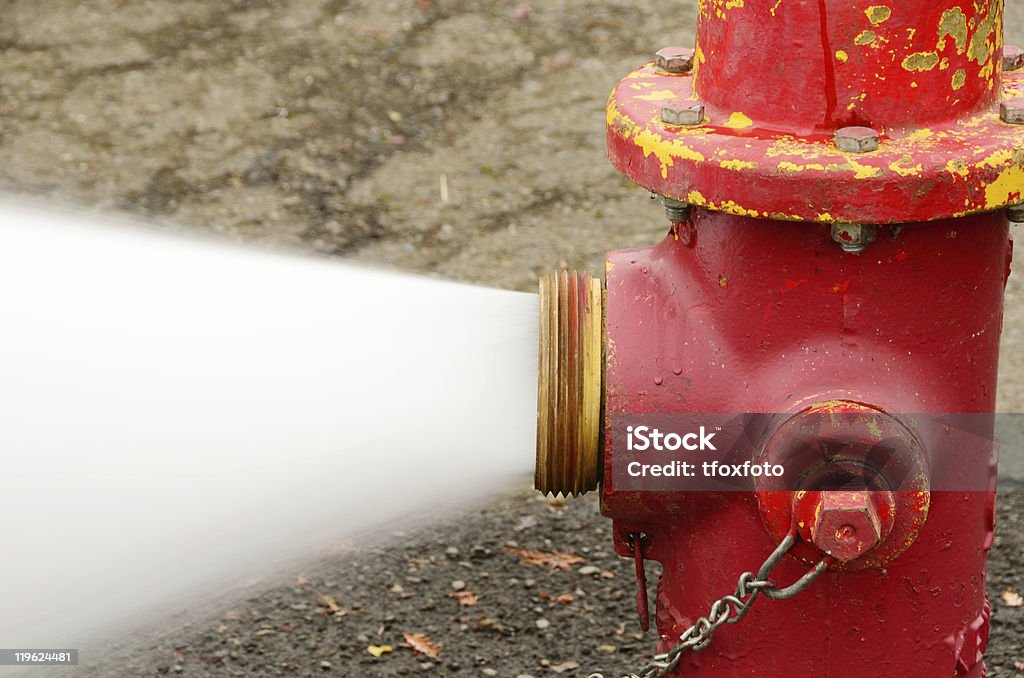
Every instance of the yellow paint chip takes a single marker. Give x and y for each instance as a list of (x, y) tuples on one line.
[(666, 151), (905, 171), (1005, 188), (865, 38), (959, 78), (921, 61), (861, 171), (738, 121), (953, 24), (878, 14), (660, 95), (737, 165), (841, 56)]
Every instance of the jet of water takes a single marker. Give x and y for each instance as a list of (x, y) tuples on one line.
[(176, 411)]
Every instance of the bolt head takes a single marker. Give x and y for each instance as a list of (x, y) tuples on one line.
[(856, 139), (1013, 57), (675, 60), (846, 524), (1011, 111), (854, 238), (689, 115), (1015, 213)]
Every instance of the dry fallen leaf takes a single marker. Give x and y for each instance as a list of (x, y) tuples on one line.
[(556, 560), (301, 581), (330, 604), (378, 650), (1012, 598), (488, 624), (465, 598), (1019, 665), (422, 644), (564, 598)]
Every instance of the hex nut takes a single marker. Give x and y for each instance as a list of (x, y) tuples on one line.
[(690, 115), (856, 139), (674, 60), (846, 524), (1013, 58), (676, 211), (854, 238), (1011, 111)]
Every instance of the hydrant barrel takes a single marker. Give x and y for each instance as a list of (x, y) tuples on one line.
[(812, 67)]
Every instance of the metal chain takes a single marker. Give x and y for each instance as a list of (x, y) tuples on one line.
[(731, 609)]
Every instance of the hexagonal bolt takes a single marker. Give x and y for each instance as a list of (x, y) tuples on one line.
[(856, 139), (1015, 213), (1013, 58), (676, 211), (1012, 111), (846, 524), (690, 115), (674, 60), (854, 238)]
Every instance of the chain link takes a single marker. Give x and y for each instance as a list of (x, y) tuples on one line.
[(730, 609)]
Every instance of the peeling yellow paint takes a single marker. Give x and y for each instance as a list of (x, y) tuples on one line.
[(953, 24), (908, 171), (980, 49), (841, 56), (878, 14), (641, 86), (986, 71), (775, 7), (919, 134), (997, 159), (959, 78), (666, 151), (737, 165), (861, 171), (738, 121), (865, 38), (787, 166), (921, 61), (957, 168), (660, 95), (825, 217)]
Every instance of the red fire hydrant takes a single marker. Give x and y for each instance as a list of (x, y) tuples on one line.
[(826, 309)]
